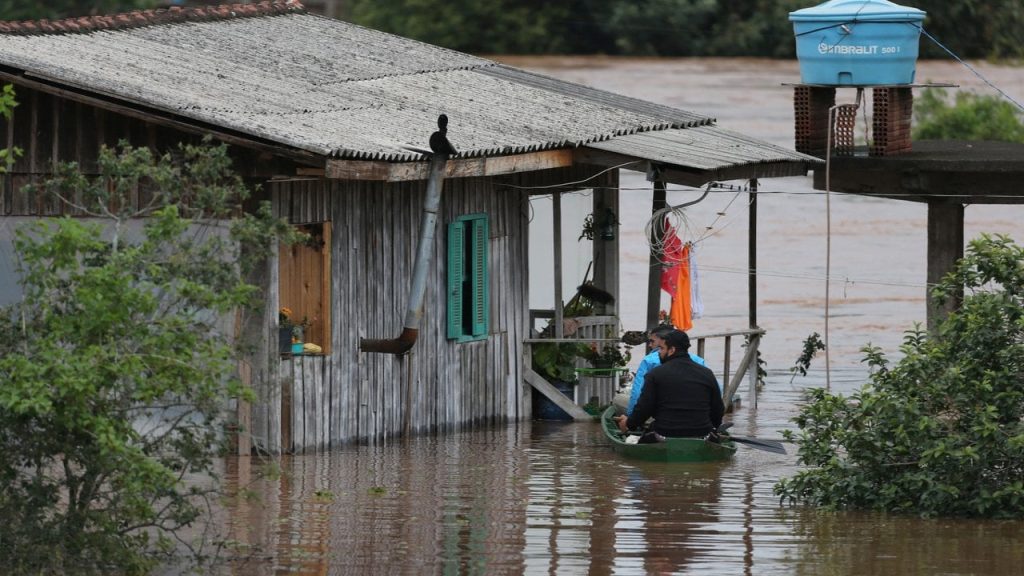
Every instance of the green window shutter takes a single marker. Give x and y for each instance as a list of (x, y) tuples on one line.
[(456, 277), (479, 287)]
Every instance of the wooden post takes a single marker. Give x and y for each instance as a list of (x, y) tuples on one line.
[(727, 359), (606, 252), (753, 343), (752, 286), (556, 219), (243, 417), (752, 256), (407, 412), (654, 272), (945, 247), (747, 363)]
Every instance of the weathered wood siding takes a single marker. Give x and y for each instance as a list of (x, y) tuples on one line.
[(49, 129), (311, 402), (349, 396)]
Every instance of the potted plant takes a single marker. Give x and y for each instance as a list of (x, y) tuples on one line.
[(285, 330), (555, 361), (610, 357), (290, 332)]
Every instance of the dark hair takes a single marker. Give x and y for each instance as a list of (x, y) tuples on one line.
[(661, 330), (677, 339)]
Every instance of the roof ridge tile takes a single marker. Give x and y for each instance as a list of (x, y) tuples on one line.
[(141, 18)]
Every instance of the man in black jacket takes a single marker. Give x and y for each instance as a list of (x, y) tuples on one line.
[(681, 395)]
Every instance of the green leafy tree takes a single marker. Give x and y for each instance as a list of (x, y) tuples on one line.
[(973, 28), (52, 10), (970, 117), (812, 345), (7, 104), (118, 365), (754, 28), (663, 27), (503, 26), (939, 433)]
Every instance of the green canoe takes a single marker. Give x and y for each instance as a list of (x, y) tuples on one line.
[(672, 450)]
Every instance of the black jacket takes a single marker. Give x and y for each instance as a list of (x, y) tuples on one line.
[(683, 398)]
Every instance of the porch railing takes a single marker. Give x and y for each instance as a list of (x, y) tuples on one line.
[(605, 330), (752, 340)]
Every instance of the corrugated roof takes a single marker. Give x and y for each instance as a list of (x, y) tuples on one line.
[(332, 88), (703, 148)]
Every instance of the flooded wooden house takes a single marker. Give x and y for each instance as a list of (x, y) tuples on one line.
[(416, 298)]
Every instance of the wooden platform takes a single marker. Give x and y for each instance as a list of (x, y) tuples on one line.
[(947, 175), (953, 171)]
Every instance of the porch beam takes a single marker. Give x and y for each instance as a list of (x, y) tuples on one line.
[(456, 168), (689, 175)]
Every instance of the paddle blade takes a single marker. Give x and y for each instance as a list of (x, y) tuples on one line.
[(766, 445)]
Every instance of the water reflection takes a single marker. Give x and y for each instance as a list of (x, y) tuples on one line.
[(542, 498), (856, 543), (551, 498)]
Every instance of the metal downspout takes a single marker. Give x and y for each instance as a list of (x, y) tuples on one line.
[(414, 311)]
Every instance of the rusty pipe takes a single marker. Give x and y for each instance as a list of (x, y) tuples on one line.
[(414, 310)]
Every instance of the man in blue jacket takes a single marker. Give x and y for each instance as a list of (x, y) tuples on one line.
[(682, 396), (651, 361)]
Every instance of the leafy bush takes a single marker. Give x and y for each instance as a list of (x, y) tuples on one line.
[(939, 433), (555, 361), (116, 370), (971, 117)]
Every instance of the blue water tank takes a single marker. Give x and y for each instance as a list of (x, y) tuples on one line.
[(857, 42)]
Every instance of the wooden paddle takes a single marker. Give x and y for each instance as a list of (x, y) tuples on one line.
[(766, 445)]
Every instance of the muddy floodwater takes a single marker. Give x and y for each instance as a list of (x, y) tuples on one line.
[(552, 498)]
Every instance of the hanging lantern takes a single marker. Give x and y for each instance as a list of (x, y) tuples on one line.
[(609, 225)]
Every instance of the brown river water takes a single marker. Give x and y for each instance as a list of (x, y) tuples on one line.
[(551, 498)]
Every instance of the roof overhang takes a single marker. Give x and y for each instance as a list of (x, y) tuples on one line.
[(675, 159), (157, 117)]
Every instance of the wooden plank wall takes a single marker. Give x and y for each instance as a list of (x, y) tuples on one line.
[(50, 129), (348, 396)]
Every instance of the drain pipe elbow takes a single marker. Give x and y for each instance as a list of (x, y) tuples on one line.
[(414, 311), (397, 346)]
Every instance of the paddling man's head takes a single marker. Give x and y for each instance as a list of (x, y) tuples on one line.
[(675, 342)]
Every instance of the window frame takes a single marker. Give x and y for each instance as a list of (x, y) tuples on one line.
[(468, 282), (294, 280)]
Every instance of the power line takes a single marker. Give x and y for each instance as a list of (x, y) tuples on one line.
[(969, 67)]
